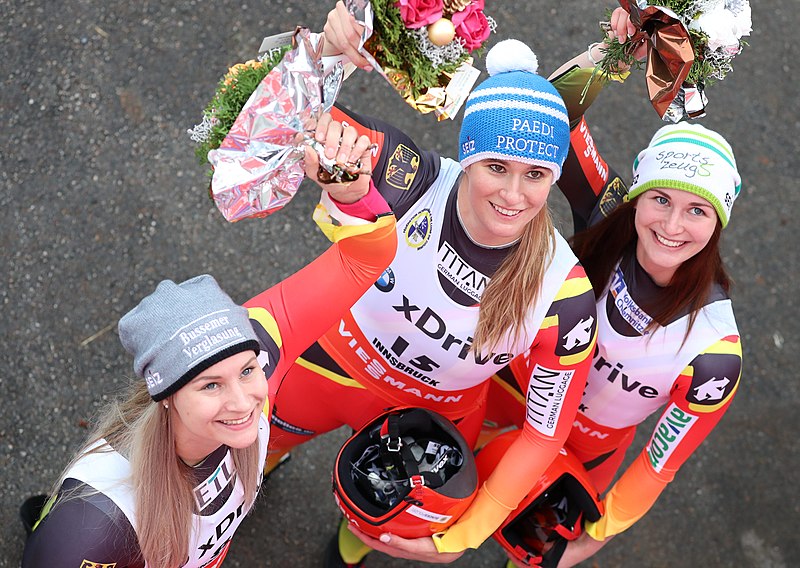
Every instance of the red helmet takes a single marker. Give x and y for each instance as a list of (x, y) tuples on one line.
[(552, 513), (409, 472)]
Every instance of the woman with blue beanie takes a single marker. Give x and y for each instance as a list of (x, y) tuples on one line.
[(480, 276), (667, 339), (170, 471)]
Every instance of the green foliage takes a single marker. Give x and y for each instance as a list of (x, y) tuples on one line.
[(616, 55), (233, 91), (398, 50)]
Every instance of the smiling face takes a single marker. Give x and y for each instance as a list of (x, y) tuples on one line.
[(498, 198), (672, 226), (220, 406)]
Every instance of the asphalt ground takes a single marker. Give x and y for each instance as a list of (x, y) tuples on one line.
[(102, 197)]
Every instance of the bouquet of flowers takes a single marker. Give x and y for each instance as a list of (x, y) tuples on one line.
[(423, 48), (255, 128), (231, 94), (691, 43)]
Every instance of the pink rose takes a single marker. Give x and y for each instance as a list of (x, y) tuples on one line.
[(471, 25), (419, 13)]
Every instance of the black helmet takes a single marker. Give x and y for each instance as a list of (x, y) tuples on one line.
[(409, 472), (551, 514)]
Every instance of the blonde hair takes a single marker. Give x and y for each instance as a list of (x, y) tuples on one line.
[(141, 430), (516, 285)]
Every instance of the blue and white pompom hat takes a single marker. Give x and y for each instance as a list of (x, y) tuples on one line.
[(515, 114), (691, 158)]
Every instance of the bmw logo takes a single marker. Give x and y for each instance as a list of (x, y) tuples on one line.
[(386, 281)]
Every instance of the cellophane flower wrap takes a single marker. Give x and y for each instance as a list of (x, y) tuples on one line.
[(690, 44), (257, 157), (424, 48)]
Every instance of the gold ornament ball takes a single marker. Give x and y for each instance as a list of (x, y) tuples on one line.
[(441, 32)]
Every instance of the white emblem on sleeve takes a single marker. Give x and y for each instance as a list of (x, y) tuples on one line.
[(581, 334), (713, 389)]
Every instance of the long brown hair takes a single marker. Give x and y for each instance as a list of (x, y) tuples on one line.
[(141, 430), (516, 284), (600, 247)]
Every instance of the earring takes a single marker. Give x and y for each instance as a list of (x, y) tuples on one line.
[(166, 406)]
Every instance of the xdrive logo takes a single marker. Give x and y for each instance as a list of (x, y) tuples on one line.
[(231, 520), (434, 326), (615, 375)]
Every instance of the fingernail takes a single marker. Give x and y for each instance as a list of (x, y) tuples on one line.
[(385, 538)]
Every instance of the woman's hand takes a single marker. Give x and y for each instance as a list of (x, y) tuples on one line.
[(419, 549), (351, 152), (342, 36), (579, 550), (622, 28)]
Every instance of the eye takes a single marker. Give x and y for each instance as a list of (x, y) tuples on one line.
[(536, 174), (248, 371), (699, 211), (497, 168), (661, 200), (210, 386)]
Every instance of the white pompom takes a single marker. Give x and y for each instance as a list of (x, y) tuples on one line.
[(511, 55)]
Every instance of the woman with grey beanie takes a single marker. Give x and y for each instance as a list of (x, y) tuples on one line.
[(170, 471)]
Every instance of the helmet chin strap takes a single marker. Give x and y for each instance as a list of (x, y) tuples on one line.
[(399, 460)]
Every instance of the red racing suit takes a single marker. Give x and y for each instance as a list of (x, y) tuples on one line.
[(95, 525), (690, 378), (407, 340)]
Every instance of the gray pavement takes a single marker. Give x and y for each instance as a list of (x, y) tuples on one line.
[(102, 197)]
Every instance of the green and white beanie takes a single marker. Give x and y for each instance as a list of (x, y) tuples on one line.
[(691, 158)]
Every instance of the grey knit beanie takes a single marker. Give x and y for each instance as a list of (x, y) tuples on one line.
[(180, 330)]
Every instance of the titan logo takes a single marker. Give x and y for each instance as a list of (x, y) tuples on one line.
[(460, 273), (547, 389)]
